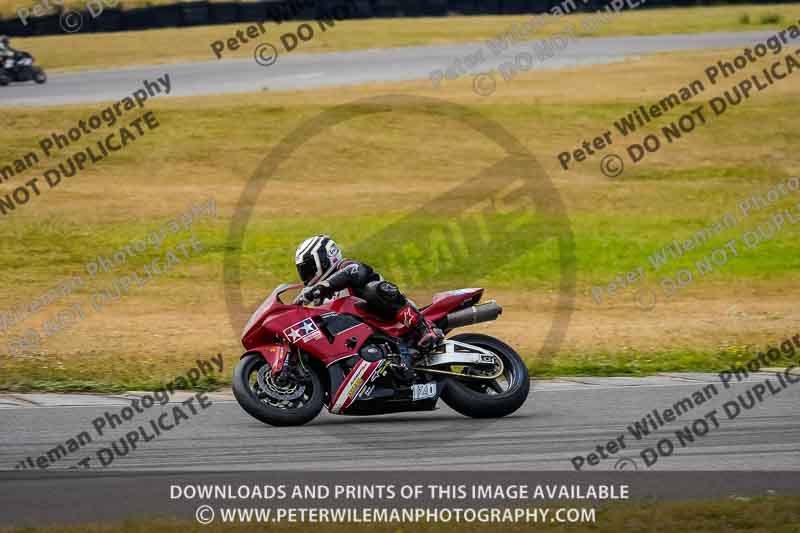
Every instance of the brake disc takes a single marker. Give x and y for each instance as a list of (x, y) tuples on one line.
[(288, 392)]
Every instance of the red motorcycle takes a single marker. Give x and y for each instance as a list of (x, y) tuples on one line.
[(342, 356)]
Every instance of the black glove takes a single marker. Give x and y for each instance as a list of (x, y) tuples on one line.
[(316, 294)]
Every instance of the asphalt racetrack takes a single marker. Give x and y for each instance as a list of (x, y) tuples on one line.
[(562, 418), (304, 71)]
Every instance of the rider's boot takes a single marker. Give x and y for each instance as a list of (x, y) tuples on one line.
[(425, 336), (423, 339)]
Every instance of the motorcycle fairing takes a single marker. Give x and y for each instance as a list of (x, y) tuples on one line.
[(275, 354), (356, 307), (360, 380), (367, 387), (277, 319), (331, 347), (449, 301), (307, 328)]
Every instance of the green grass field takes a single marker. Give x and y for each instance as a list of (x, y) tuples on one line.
[(86, 51), (209, 147)]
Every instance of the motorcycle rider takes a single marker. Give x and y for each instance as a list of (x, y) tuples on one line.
[(6, 53), (328, 276)]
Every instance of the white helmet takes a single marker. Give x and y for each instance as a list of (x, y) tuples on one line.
[(316, 257)]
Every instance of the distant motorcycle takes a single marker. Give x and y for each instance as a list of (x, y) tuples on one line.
[(21, 68), (340, 355)]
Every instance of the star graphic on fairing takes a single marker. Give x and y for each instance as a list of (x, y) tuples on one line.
[(294, 335)]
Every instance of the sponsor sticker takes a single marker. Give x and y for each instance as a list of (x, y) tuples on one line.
[(304, 330)]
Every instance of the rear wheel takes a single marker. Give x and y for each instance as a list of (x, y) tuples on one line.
[(274, 401), (484, 398), (4, 80)]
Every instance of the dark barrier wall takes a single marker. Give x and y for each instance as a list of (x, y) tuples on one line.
[(205, 13)]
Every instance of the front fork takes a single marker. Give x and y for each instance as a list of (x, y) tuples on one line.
[(285, 362), (294, 368)]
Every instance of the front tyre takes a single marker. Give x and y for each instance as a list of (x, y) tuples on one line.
[(271, 401), (39, 76), (489, 399)]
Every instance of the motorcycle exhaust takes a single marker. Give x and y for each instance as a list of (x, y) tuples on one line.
[(472, 315)]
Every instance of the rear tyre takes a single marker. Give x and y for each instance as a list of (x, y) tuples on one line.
[(482, 399), (263, 405), (4, 80)]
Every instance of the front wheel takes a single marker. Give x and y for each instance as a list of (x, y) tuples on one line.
[(489, 398), (39, 76), (267, 398)]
